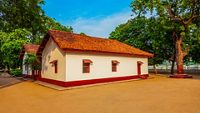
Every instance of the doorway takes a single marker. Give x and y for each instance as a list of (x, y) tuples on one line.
[(139, 64)]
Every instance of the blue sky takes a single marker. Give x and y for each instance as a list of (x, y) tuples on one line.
[(93, 17)]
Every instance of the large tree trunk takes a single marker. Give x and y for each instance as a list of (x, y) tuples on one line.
[(179, 56)]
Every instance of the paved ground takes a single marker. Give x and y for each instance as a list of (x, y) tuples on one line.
[(155, 95), (7, 80)]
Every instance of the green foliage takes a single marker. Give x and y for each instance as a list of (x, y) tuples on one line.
[(49, 23), (3, 37), (21, 14), (162, 7), (16, 72), (27, 14), (12, 46), (22, 22), (31, 59), (194, 43), (52, 24), (180, 16), (82, 34), (139, 33)]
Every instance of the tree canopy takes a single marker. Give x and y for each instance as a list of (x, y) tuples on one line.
[(182, 13), (139, 33), (12, 45), (27, 14), (21, 22), (171, 24)]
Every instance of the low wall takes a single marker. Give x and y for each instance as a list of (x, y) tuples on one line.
[(168, 71)]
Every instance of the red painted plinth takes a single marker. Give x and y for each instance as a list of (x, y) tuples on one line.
[(143, 77), (180, 76)]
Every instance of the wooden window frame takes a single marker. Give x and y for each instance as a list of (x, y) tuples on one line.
[(86, 65), (114, 64), (55, 64), (56, 67)]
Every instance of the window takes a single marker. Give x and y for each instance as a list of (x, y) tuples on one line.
[(55, 64), (86, 68), (86, 65), (114, 65)]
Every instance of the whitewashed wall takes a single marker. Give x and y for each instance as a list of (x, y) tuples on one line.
[(24, 71), (50, 53), (70, 65), (101, 66)]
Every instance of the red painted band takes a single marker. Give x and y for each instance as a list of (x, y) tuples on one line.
[(92, 81)]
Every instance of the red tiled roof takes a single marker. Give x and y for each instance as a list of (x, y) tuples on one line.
[(29, 48), (67, 41)]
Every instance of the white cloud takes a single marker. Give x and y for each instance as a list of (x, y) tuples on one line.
[(100, 26)]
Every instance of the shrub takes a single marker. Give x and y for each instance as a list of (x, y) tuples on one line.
[(16, 72)]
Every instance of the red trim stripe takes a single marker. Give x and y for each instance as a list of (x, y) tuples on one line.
[(92, 81)]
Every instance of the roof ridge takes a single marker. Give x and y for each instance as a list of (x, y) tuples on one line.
[(103, 38), (68, 41)]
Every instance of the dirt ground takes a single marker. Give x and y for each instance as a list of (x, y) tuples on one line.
[(157, 94)]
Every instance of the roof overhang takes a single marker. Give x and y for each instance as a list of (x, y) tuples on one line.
[(103, 53), (49, 35)]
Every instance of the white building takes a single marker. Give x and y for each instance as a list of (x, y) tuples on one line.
[(27, 68), (70, 59)]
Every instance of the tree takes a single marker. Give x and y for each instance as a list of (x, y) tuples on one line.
[(22, 21), (139, 33), (82, 33), (48, 24), (21, 14), (194, 50), (12, 46), (52, 24), (3, 37), (27, 14), (31, 59), (182, 13)]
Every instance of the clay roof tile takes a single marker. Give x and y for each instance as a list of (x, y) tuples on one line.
[(29, 48), (72, 41)]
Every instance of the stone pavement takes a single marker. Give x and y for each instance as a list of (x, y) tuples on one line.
[(7, 80)]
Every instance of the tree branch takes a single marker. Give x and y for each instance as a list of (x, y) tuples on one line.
[(172, 14), (178, 18), (185, 52), (193, 13)]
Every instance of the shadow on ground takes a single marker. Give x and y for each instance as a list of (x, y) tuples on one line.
[(8, 80)]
